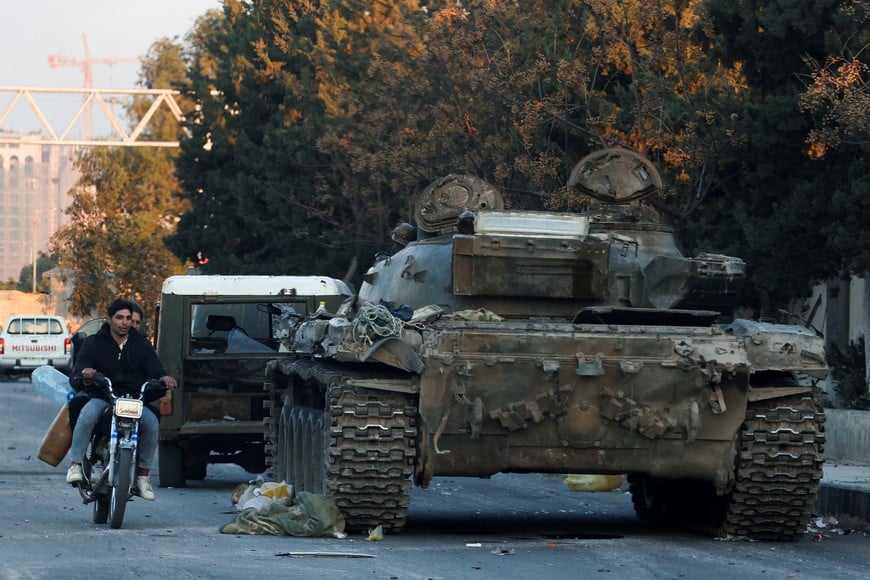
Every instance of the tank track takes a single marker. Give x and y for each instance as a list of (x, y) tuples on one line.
[(779, 467), (369, 445)]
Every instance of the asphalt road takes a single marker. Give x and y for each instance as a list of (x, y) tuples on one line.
[(511, 526)]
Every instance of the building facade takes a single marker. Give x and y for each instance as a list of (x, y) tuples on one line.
[(35, 181)]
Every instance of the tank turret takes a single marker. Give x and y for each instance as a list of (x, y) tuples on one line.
[(469, 253)]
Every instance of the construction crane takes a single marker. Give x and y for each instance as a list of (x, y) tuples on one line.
[(87, 66)]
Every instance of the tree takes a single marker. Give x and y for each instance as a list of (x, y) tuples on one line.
[(250, 156), (768, 209), (279, 166), (319, 122), (44, 263), (837, 97), (123, 207)]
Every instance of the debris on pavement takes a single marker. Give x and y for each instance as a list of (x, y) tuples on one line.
[(376, 535), (270, 509), (837, 526), (324, 555)]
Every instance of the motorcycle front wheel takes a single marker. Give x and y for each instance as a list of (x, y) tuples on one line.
[(121, 488)]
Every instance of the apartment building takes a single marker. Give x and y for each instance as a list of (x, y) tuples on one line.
[(34, 184)]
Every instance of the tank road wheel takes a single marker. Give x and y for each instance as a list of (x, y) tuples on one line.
[(282, 435), (295, 450), (358, 450), (779, 467), (646, 497)]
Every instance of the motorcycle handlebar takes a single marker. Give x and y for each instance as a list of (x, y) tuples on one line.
[(101, 382)]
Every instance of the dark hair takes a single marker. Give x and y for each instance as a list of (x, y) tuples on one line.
[(137, 309), (120, 304)]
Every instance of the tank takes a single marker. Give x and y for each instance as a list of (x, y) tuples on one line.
[(493, 340)]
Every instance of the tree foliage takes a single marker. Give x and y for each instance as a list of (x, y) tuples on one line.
[(123, 206), (44, 263), (320, 121)]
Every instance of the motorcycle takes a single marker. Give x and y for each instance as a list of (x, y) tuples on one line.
[(109, 465)]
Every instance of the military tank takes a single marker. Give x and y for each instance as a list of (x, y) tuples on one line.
[(494, 340)]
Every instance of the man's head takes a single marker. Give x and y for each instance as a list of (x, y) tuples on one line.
[(138, 314), (120, 318), (121, 304)]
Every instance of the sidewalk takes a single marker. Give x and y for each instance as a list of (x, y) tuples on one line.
[(845, 490)]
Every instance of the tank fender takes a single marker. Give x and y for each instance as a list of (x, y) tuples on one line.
[(766, 393), (395, 352)]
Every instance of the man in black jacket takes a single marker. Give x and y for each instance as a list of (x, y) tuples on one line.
[(128, 360)]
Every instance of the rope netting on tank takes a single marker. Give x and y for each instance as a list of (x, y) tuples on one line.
[(373, 322)]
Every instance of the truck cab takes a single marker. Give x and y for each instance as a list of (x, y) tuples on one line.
[(215, 335)]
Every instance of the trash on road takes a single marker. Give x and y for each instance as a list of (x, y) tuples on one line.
[(266, 509), (376, 535), (324, 555)]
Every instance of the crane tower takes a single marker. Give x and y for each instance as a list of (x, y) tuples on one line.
[(87, 66)]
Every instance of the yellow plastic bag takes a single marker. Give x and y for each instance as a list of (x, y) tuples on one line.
[(587, 482), (275, 490)]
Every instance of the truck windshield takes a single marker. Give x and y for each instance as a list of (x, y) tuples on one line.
[(239, 326)]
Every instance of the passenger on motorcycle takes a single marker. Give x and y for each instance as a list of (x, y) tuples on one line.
[(128, 359)]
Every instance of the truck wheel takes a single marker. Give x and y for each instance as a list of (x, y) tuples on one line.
[(170, 463), (196, 471)]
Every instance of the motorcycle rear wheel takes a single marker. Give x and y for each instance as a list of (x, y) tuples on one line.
[(121, 489), (101, 509)]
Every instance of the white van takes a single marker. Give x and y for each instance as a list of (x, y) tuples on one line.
[(33, 340)]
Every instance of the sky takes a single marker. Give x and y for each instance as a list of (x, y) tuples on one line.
[(33, 30)]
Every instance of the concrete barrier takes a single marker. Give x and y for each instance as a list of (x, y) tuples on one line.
[(848, 436)]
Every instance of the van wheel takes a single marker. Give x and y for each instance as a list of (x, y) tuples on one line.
[(170, 463)]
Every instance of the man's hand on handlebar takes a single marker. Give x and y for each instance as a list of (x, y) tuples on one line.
[(168, 382)]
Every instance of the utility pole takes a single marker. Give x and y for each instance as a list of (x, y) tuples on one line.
[(33, 252)]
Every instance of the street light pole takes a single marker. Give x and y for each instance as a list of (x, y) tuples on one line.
[(36, 212), (33, 249)]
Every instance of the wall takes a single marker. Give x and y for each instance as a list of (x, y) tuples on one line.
[(15, 302), (848, 436)]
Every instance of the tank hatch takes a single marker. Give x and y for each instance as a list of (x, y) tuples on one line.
[(441, 203), (615, 176)]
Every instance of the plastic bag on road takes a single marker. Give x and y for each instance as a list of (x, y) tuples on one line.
[(261, 496)]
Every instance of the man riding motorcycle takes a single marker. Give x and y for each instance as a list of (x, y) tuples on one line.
[(128, 359)]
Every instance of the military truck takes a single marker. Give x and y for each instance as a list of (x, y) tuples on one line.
[(215, 335), (495, 340)]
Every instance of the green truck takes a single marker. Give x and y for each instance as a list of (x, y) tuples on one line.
[(215, 335)]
